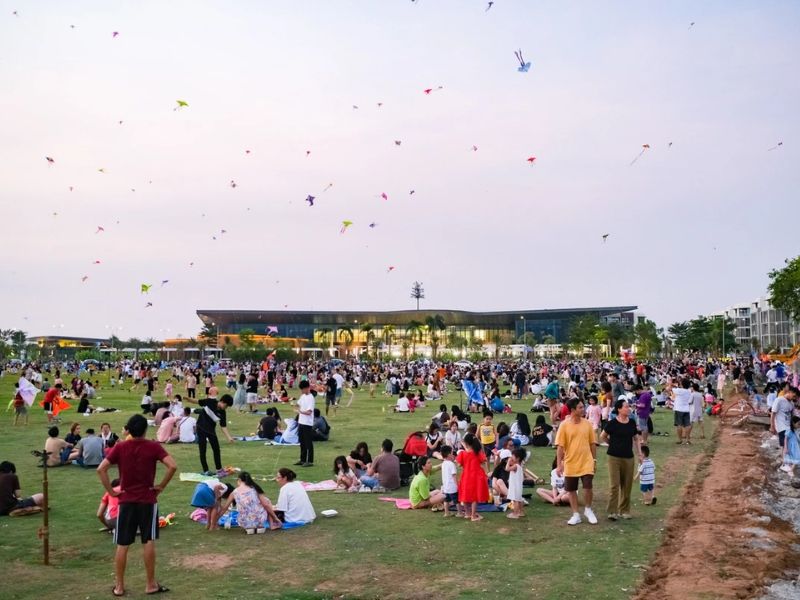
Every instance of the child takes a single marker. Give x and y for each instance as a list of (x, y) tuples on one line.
[(346, 479), (109, 508), (147, 403), (791, 447), (208, 495), (473, 487), (647, 477), (19, 406), (594, 414), (168, 390), (557, 495), (516, 468), (487, 433), (450, 482)]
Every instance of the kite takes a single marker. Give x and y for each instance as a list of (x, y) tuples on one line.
[(101, 171), (55, 214), (690, 26), (191, 264), (27, 390), (272, 329), (233, 183), (384, 196), (57, 405), (99, 229), (390, 269), (605, 237), (411, 193), (145, 288), (148, 305), (213, 237), (84, 278), (474, 148), (163, 281), (97, 262), (247, 151), (133, 189), (373, 225), (114, 34), (644, 147), (429, 90), (70, 188), (308, 153), (380, 104), (120, 122), (669, 145), (488, 7), (775, 147), (355, 107), (397, 142), (223, 231), (50, 160), (345, 225), (15, 13), (327, 187), (523, 66), (181, 104), (531, 159), (310, 200)]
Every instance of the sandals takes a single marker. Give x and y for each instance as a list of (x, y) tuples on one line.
[(161, 590), (114, 592), (476, 518)]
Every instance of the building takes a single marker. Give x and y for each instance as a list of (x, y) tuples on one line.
[(759, 326), (359, 331), (60, 346)]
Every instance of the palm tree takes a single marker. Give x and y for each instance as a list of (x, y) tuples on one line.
[(388, 334), (367, 328), (414, 331), (404, 343), (346, 336), (324, 333), (435, 323)]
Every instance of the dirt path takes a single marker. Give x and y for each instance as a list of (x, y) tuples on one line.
[(720, 542)]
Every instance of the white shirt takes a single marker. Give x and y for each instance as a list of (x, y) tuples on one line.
[(339, 380), (186, 430), (402, 404), (305, 403), (295, 504), (782, 409), (453, 439), (682, 400), (772, 375), (449, 470)]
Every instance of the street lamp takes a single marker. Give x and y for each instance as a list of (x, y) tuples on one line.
[(524, 340)]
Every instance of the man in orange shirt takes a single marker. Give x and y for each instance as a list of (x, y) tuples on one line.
[(577, 459)]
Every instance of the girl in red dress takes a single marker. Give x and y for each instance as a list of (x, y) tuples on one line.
[(473, 487)]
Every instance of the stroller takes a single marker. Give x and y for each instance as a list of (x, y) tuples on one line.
[(414, 447)]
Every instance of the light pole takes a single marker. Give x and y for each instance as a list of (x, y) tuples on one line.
[(524, 340)]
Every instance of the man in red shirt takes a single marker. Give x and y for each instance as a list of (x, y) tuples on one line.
[(137, 459), (51, 398)]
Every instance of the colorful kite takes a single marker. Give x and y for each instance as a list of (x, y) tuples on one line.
[(97, 262), (373, 225), (50, 160), (429, 90), (114, 34), (644, 148), (272, 329), (345, 225), (397, 142), (384, 196), (308, 153), (181, 104), (390, 269), (474, 148), (412, 192), (523, 66), (310, 200), (145, 288), (775, 147), (99, 229), (531, 159)]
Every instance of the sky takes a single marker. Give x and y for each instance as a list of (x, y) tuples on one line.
[(694, 225)]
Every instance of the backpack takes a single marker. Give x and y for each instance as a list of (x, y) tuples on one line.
[(415, 444)]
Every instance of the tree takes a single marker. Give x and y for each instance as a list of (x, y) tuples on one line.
[(784, 288), (414, 332), (325, 335), (417, 292), (458, 342), (648, 338), (18, 341), (246, 338), (435, 323), (755, 344), (346, 336), (368, 329), (582, 332), (405, 344), (209, 333)]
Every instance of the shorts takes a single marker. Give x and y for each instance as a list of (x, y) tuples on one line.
[(487, 448), (48, 407), (338, 393), (136, 517), (21, 503), (571, 483), (252, 398), (451, 498), (682, 419), (696, 418), (641, 424), (330, 401), (21, 410), (646, 487)]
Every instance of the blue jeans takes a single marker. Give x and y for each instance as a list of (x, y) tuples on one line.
[(370, 482)]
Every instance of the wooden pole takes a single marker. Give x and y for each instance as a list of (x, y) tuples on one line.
[(44, 530)]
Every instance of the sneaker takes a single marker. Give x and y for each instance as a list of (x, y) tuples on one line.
[(786, 468), (261, 530), (613, 517), (299, 463), (625, 516), (379, 488), (589, 514), (307, 464), (574, 519), (250, 531), (365, 489)]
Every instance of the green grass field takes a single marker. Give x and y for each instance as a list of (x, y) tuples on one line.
[(371, 550)]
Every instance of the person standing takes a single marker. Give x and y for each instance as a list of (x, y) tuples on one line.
[(622, 436), (644, 408), (191, 384), (305, 422), (330, 394), (682, 411), (211, 413), (577, 460), (138, 499)]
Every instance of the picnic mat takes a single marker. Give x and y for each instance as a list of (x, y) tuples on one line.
[(405, 504), (319, 486), (197, 477)]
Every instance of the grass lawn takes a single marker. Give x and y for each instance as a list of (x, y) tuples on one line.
[(371, 550)]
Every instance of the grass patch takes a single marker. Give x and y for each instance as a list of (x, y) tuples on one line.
[(371, 550)]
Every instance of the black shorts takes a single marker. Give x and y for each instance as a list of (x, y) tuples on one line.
[(136, 517), (21, 503), (571, 483), (330, 401), (682, 419)]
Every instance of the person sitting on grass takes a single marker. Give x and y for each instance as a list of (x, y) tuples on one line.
[(556, 495), (420, 493), (209, 496), (11, 497), (109, 508), (403, 404), (74, 435), (294, 506), (384, 472), (268, 427), (59, 449), (346, 478), (360, 459), (255, 509), (321, 428), (89, 451)]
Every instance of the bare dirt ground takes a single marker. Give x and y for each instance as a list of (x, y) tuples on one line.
[(721, 542)]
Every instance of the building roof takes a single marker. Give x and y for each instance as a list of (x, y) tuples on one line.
[(395, 317), (42, 339)]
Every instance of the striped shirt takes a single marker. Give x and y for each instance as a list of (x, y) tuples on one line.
[(647, 472)]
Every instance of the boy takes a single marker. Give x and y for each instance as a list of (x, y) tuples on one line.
[(450, 481), (487, 433), (647, 477), (19, 406)]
